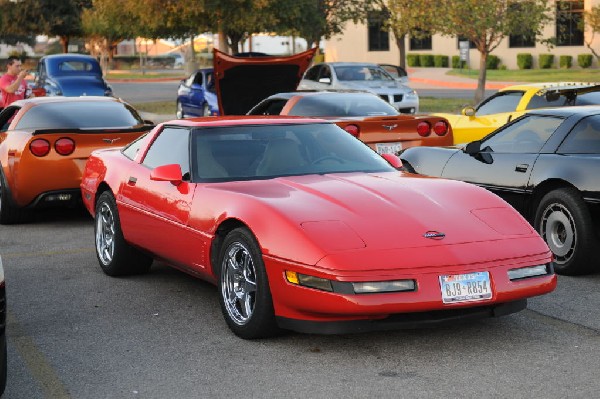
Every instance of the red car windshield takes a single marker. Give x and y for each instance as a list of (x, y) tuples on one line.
[(267, 151)]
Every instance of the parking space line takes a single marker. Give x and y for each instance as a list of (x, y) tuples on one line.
[(34, 359)]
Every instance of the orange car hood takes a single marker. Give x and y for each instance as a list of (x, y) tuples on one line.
[(242, 82)]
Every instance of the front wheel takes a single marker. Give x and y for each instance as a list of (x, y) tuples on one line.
[(564, 222), (245, 296), (115, 255), (179, 113)]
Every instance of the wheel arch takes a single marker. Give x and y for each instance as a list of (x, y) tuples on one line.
[(541, 190), (223, 229)]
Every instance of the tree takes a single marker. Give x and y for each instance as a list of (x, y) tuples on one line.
[(592, 22), (485, 23), (105, 24)]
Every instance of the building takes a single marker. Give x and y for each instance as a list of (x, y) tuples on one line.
[(369, 43)]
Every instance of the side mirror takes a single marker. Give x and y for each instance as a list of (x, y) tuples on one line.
[(473, 147), (392, 160), (468, 111), (170, 173), (325, 80)]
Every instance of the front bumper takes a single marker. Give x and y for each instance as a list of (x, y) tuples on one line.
[(307, 309)]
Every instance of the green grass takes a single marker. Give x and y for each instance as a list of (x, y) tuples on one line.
[(156, 107), (534, 75), (447, 105)]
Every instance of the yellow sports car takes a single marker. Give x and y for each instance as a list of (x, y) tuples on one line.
[(513, 101)]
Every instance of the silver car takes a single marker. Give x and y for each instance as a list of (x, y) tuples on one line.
[(361, 76)]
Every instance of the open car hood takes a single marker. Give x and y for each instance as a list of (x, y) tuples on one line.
[(242, 82)]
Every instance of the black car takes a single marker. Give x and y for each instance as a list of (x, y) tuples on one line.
[(547, 165)]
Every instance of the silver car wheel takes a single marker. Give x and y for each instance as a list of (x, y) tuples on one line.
[(238, 283), (105, 234), (559, 232)]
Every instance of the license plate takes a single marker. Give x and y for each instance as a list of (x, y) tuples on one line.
[(466, 287), (388, 148)]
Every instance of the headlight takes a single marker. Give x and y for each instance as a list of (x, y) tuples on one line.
[(411, 94), (370, 287), (531, 271)]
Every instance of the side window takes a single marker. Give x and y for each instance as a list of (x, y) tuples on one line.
[(271, 107), (584, 138), (325, 72), (198, 79), (501, 102), (525, 136), (170, 147), (313, 73), (131, 150), (6, 117)]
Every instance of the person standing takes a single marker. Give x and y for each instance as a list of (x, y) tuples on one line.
[(12, 84)]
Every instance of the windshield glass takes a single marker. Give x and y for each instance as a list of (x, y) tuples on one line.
[(342, 104), (361, 72), (80, 115), (267, 151), (77, 66)]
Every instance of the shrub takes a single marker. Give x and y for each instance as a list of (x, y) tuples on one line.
[(492, 62), (457, 63), (524, 60), (546, 61), (426, 60), (440, 61), (565, 61), (412, 60), (584, 60)]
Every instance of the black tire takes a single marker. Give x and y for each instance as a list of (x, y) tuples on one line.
[(244, 292), (116, 257), (205, 110), (179, 112), (564, 222), (9, 214)]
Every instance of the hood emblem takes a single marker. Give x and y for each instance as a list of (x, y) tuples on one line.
[(434, 235), (390, 127), (110, 141)]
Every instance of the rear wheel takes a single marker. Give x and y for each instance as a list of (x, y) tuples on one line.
[(245, 297), (9, 214), (205, 110), (116, 257), (179, 113), (564, 222)]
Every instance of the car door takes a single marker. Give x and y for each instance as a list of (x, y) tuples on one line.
[(153, 210), (491, 114), (504, 160), (197, 94)]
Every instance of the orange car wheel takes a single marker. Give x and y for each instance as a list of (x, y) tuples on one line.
[(9, 214)]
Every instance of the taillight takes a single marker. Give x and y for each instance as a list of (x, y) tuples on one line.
[(353, 130), (39, 147), (64, 146), (424, 129), (440, 128)]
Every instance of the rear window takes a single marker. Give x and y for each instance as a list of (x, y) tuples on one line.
[(80, 115), (336, 104), (74, 67)]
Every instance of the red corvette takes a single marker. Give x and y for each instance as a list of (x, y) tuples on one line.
[(303, 227)]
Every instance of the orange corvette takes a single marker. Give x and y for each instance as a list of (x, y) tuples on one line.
[(45, 142), (365, 116)]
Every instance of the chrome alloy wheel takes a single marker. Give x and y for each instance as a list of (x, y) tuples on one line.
[(238, 283), (105, 234), (559, 231)]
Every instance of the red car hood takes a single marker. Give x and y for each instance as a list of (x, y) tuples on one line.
[(343, 212), (242, 82)]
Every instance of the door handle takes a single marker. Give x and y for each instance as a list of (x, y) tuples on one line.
[(522, 168), (131, 181)]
